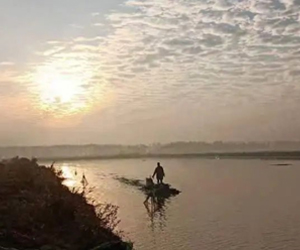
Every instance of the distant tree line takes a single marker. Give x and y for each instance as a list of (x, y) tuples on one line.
[(174, 148)]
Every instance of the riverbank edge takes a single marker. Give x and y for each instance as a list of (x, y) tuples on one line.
[(38, 212)]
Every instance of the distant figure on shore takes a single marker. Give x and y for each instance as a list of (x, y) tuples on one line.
[(52, 165), (84, 181), (160, 173)]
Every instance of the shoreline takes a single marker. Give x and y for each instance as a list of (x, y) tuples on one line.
[(39, 212)]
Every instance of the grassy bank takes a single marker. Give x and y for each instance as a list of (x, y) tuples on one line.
[(38, 212)]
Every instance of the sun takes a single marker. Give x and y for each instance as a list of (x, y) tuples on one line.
[(65, 89), (62, 90)]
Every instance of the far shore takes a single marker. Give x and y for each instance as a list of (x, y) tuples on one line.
[(262, 155)]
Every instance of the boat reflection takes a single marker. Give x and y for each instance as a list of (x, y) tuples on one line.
[(156, 210)]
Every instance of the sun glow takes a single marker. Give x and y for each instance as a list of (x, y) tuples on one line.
[(63, 88), (60, 89)]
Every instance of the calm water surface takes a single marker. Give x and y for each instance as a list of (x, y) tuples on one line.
[(224, 204)]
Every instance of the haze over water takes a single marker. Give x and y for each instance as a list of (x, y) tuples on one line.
[(224, 204)]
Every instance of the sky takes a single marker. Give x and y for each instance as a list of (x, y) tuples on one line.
[(128, 72)]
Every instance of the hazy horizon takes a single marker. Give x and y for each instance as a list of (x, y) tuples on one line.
[(131, 72), (287, 150), (156, 143)]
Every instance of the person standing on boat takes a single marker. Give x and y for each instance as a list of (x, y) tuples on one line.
[(160, 173)]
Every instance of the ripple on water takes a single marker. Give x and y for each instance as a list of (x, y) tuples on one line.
[(225, 204)]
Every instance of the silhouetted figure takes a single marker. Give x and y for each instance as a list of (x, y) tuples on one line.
[(160, 173), (84, 181), (52, 165)]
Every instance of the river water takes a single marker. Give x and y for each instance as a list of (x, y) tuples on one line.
[(224, 204)]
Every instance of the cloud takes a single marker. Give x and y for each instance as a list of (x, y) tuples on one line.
[(188, 55), (246, 45), (7, 64), (99, 24)]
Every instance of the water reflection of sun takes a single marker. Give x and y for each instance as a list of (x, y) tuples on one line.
[(69, 176)]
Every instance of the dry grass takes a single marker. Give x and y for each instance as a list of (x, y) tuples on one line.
[(36, 209)]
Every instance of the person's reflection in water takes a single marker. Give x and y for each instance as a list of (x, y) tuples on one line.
[(155, 205), (156, 212), (149, 207), (161, 211), (150, 189)]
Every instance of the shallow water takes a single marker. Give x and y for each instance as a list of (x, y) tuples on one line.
[(224, 204)]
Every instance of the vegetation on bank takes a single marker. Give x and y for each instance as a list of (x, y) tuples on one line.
[(38, 212)]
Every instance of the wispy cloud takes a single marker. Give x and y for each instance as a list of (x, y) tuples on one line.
[(225, 43), (7, 63)]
